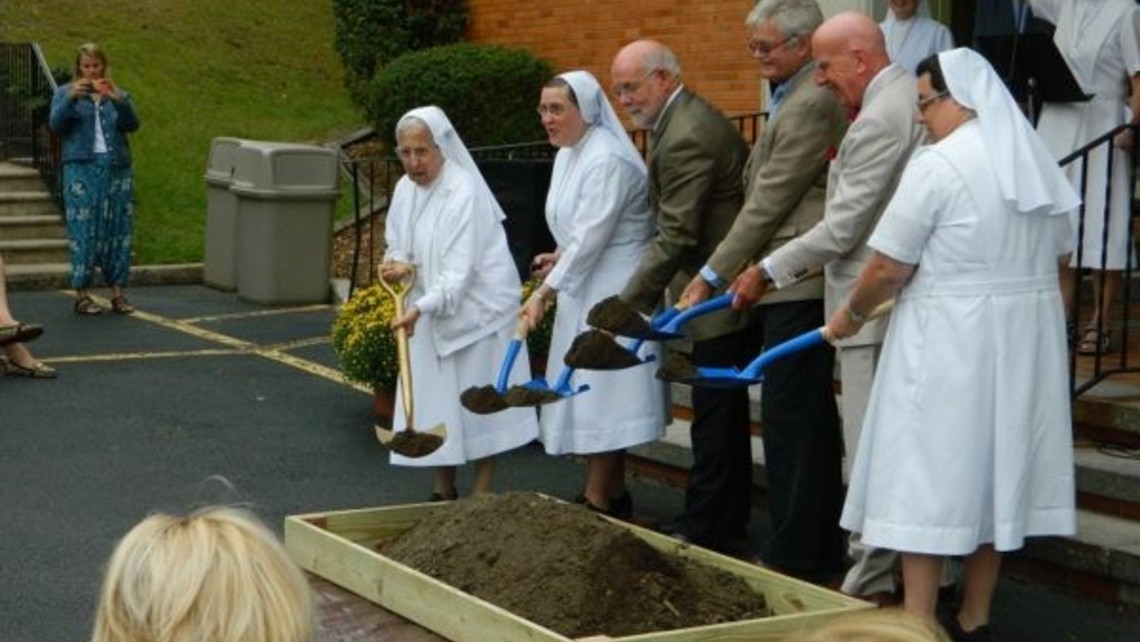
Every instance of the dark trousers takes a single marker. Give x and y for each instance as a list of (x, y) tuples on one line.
[(802, 446), (718, 497)]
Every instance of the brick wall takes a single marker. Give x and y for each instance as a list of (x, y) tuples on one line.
[(708, 37)]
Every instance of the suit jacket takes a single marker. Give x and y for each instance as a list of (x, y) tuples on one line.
[(860, 183), (785, 183), (696, 168)]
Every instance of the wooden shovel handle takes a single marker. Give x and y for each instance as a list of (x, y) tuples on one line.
[(399, 291)]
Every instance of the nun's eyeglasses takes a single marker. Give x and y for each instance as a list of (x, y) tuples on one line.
[(923, 103)]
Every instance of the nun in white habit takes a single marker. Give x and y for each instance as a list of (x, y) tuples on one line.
[(966, 446), (911, 33), (1100, 41), (599, 215), (445, 222)]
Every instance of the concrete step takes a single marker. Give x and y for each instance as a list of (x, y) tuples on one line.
[(55, 276), (15, 178), (1102, 559), (27, 204), (1108, 479), (26, 228), (23, 252)]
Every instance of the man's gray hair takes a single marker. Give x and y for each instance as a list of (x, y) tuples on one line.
[(793, 17), (662, 57)]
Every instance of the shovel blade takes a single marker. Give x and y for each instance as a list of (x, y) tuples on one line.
[(412, 443)]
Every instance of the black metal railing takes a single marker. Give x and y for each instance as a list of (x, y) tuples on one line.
[(373, 179), (1115, 360), (26, 88)]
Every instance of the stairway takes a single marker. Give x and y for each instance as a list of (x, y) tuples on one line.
[(1101, 561), (33, 237)]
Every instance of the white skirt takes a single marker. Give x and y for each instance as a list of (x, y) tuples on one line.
[(437, 384)]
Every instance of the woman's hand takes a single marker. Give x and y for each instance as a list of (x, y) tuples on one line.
[(535, 308), (408, 321), (543, 264), (395, 271), (81, 87)]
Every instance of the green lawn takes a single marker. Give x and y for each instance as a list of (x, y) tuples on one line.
[(199, 69)]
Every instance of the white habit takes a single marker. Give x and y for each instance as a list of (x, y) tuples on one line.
[(1101, 42), (467, 289), (912, 40), (598, 213), (967, 436)]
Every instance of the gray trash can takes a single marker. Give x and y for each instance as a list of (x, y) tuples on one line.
[(220, 269), (285, 198)]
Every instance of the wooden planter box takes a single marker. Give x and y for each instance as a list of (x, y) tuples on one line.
[(340, 546)]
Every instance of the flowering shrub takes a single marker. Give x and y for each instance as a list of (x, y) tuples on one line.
[(366, 346), (363, 342)]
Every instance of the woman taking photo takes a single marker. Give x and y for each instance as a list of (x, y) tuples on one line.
[(92, 116)]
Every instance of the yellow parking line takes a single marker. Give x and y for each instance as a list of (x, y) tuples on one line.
[(276, 352)]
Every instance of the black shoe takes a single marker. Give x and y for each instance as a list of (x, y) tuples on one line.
[(621, 507), (440, 497), (949, 621)]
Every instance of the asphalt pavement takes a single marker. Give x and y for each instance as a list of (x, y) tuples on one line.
[(153, 411)]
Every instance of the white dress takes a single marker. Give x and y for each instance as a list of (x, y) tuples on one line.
[(912, 40), (967, 438), (1101, 42), (468, 291), (599, 215)]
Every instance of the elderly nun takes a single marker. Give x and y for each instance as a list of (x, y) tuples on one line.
[(444, 221)]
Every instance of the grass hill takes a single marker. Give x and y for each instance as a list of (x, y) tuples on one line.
[(258, 69)]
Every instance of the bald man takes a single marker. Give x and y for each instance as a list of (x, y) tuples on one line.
[(851, 60), (696, 188)]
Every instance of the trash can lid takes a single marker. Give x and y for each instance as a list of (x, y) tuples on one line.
[(290, 168), (220, 164)]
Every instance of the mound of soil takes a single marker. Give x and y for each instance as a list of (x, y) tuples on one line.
[(568, 569), (677, 367), (483, 400), (521, 397)]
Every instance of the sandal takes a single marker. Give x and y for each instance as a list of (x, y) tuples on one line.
[(36, 371), (120, 305), (1095, 342), (85, 306), (19, 333)]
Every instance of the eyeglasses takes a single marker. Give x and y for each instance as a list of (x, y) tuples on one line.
[(553, 109), (630, 88), (764, 48), (923, 103), (418, 153)]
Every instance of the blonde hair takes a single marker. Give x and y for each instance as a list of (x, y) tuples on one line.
[(876, 625), (92, 50), (217, 575)]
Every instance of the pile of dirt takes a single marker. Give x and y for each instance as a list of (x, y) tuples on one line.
[(414, 444), (677, 367), (483, 400), (521, 397), (568, 569)]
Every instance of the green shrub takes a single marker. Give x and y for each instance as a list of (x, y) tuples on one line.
[(370, 33), (489, 92)]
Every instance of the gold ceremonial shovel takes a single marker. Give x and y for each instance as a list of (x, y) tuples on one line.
[(408, 442)]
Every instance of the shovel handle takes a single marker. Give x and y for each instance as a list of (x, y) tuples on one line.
[(399, 291), (712, 305), (522, 329)]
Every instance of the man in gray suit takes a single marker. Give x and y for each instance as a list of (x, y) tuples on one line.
[(696, 162), (852, 61), (786, 186)]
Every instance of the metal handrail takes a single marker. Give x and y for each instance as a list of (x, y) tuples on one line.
[(1103, 366), (26, 89)]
